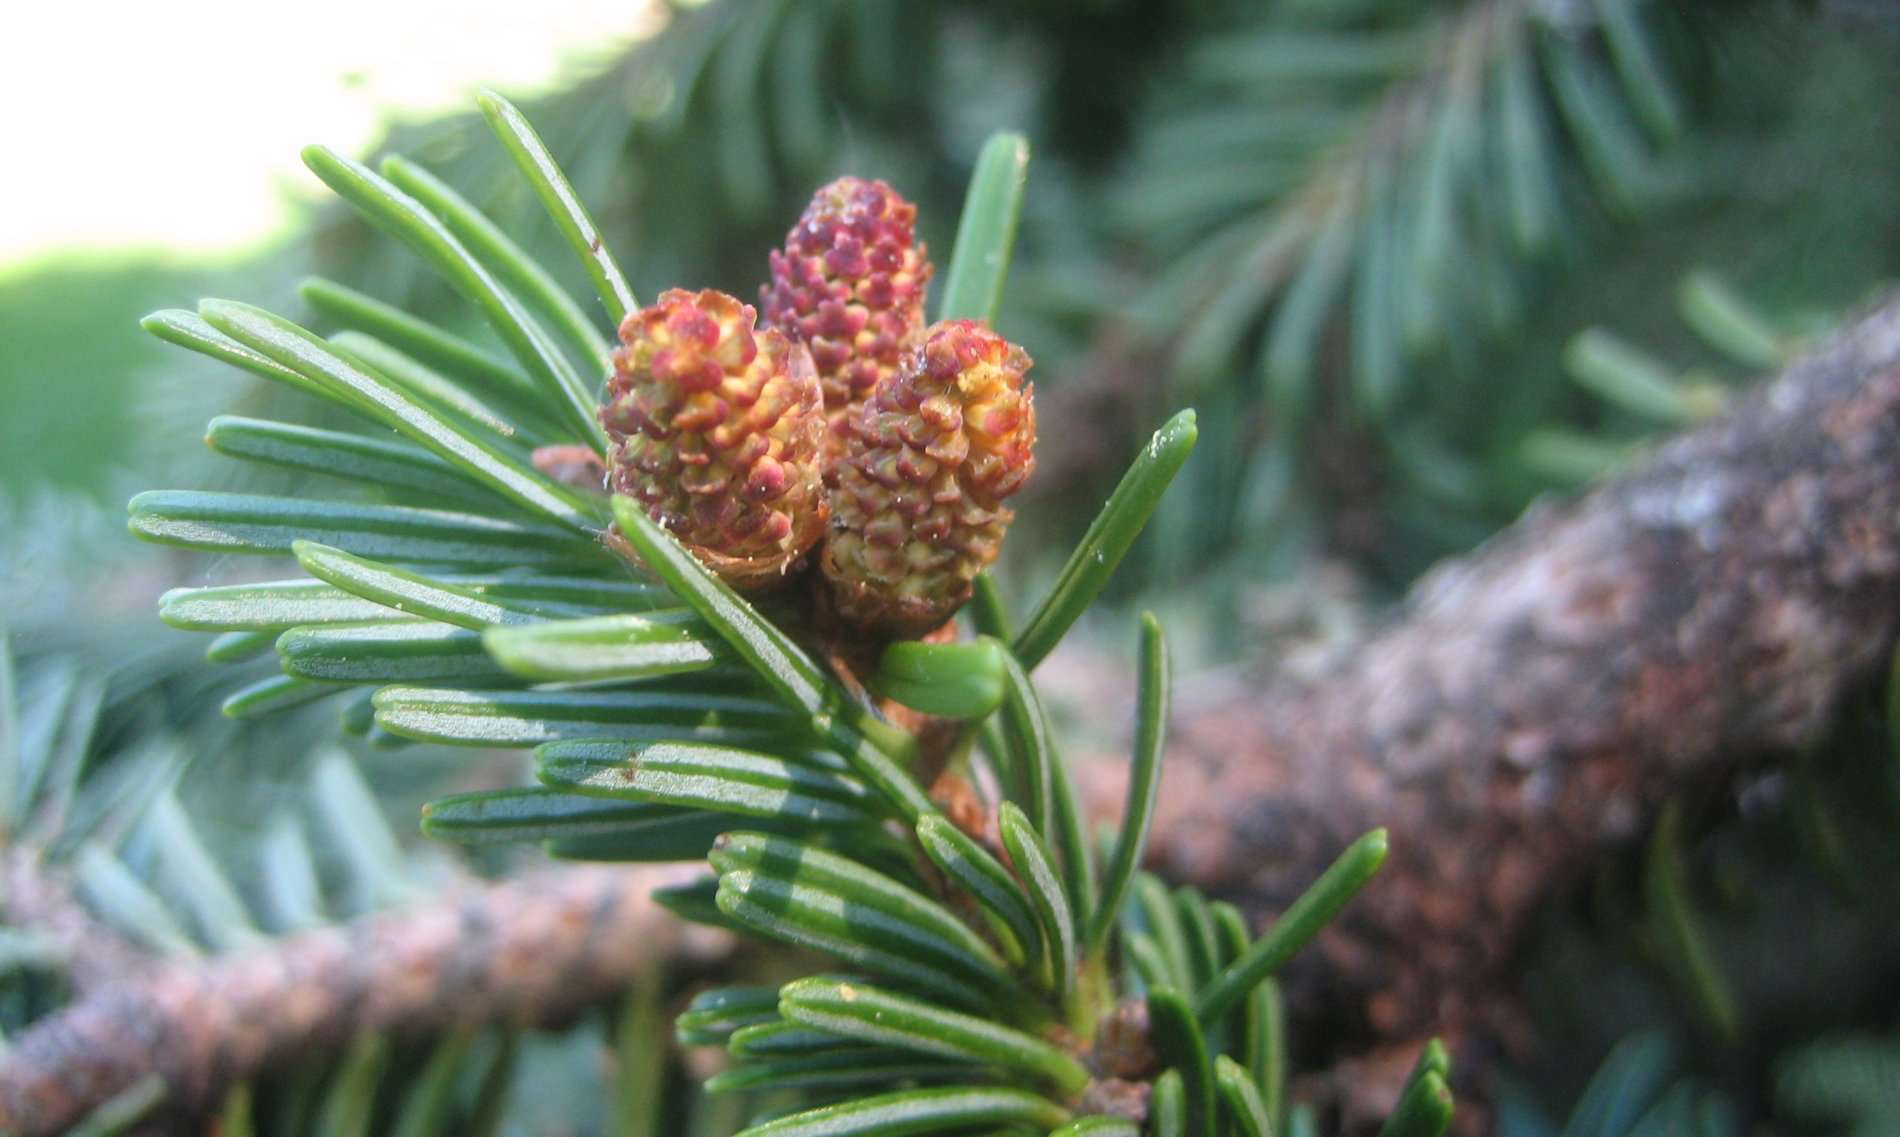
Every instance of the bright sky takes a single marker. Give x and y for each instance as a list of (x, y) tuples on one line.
[(175, 126)]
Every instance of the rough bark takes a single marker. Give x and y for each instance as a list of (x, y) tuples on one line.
[(94, 955), (1537, 700), (529, 951)]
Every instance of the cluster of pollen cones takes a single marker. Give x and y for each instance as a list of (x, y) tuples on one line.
[(839, 423)]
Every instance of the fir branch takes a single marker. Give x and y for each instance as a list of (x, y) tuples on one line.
[(1386, 121), (1465, 722), (1731, 588), (526, 952), (1345, 216), (35, 897), (1539, 699)]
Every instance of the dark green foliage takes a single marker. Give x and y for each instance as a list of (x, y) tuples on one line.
[(1753, 928), (1642, 395), (1637, 1091), (1852, 1082), (1349, 207)]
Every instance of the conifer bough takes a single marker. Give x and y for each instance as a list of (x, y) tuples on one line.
[(705, 729), (1537, 701)]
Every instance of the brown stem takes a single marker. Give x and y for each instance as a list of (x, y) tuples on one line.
[(526, 952), (1535, 701), (94, 956)]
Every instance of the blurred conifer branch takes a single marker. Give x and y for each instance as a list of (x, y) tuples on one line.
[(164, 962), (1579, 659)]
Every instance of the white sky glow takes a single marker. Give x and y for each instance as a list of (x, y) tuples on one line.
[(173, 127)]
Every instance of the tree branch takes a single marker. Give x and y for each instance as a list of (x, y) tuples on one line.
[(1526, 706), (1538, 700), (528, 951), (94, 955)]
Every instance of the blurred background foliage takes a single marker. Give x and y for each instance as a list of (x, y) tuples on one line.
[(1415, 263), (1358, 236)]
